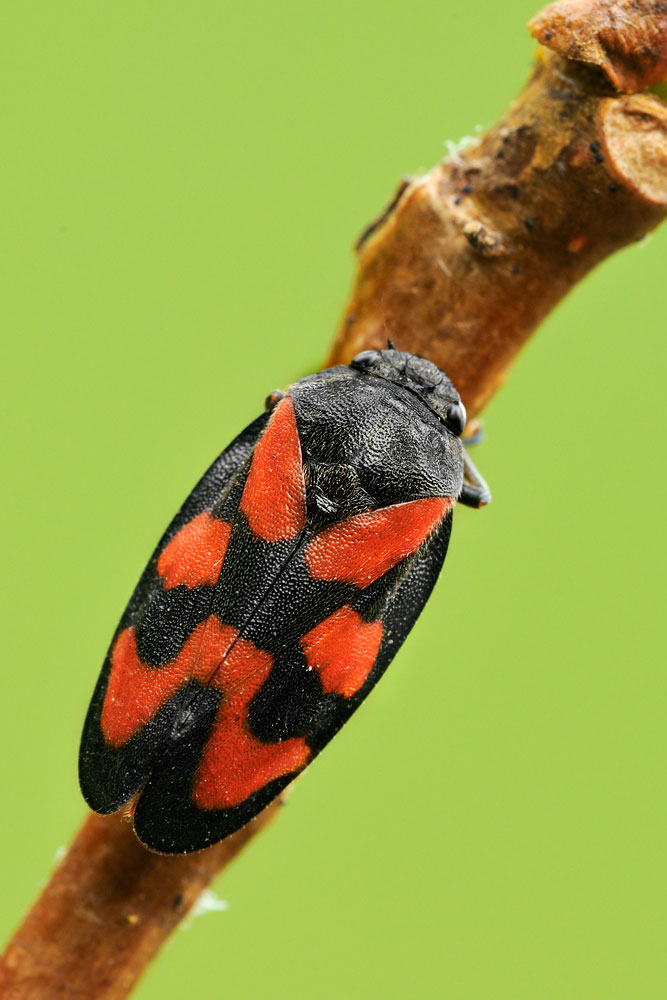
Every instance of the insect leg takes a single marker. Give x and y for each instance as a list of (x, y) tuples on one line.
[(473, 434), (475, 492)]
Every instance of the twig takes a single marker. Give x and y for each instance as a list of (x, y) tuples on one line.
[(470, 258), (461, 267), (108, 907)]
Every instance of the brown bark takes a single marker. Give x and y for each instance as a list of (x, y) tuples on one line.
[(461, 267), (108, 907), (470, 258), (627, 39)]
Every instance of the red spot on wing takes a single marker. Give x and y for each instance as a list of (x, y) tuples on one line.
[(274, 497), (366, 546), (195, 555), (343, 649), (234, 763), (135, 691)]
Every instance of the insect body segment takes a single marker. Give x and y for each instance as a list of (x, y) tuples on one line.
[(276, 598)]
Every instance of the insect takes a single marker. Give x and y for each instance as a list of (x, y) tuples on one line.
[(277, 597)]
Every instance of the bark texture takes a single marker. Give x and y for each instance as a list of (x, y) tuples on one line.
[(461, 267), (627, 39), (469, 259), (106, 910)]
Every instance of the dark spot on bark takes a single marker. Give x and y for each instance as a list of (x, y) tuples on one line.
[(595, 150), (529, 223), (516, 269)]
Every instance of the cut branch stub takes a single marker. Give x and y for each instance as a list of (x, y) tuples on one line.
[(634, 137), (471, 257)]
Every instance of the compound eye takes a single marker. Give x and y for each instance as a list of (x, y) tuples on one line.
[(365, 360), (455, 418)]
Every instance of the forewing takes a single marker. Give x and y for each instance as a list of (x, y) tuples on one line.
[(140, 691), (352, 648), (287, 688)]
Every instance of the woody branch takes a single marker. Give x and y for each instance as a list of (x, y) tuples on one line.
[(461, 268)]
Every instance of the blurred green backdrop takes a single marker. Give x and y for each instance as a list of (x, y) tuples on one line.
[(184, 182)]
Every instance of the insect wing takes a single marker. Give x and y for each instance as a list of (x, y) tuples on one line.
[(133, 711), (249, 641), (289, 702)]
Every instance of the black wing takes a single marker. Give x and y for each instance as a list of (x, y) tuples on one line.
[(110, 773), (316, 679)]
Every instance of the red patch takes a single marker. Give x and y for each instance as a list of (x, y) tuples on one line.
[(195, 555), (343, 649), (274, 497), (135, 692), (234, 763), (368, 545)]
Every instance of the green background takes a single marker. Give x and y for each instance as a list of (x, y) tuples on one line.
[(183, 183)]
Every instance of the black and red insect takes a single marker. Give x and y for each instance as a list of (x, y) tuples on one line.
[(277, 597)]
